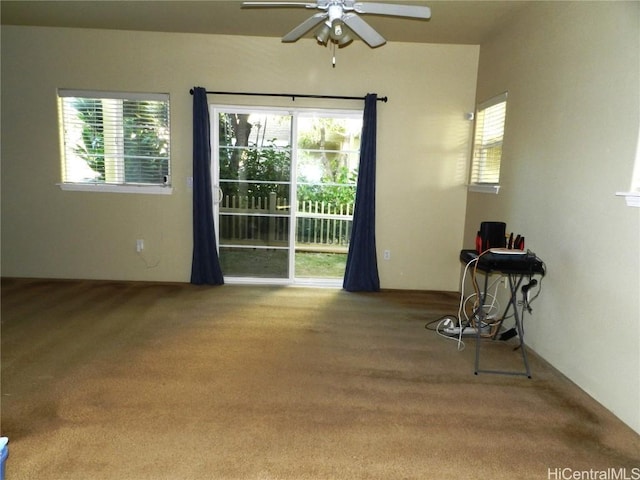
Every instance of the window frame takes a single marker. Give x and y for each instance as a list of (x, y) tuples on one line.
[(164, 188), (632, 197), (479, 186)]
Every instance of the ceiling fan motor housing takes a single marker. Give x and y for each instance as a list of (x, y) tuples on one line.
[(335, 21)]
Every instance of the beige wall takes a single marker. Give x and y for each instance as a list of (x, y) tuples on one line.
[(422, 145), (572, 71)]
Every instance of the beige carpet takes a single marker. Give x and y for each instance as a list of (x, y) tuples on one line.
[(109, 380)]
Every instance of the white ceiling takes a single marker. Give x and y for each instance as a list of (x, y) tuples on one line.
[(452, 21)]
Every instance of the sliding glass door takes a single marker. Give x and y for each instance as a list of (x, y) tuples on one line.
[(327, 156), (253, 192), (284, 186)]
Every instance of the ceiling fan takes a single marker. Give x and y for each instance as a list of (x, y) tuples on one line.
[(339, 18)]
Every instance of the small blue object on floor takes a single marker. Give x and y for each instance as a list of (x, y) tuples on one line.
[(4, 453)]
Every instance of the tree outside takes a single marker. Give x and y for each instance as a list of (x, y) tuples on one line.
[(255, 154), (144, 138)]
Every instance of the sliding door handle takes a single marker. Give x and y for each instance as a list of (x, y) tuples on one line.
[(218, 194)]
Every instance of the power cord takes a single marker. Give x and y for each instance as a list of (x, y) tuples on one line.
[(462, 320), (443, 322), (479, 320)]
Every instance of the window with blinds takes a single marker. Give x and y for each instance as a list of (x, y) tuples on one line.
[(487, 142), (119, 139)]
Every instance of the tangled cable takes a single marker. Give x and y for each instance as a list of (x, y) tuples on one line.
[(468, 308)]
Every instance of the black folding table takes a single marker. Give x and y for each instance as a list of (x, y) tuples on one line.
[(516, 267)]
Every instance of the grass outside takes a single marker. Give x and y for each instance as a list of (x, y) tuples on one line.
[(320, 265), (249, 262)]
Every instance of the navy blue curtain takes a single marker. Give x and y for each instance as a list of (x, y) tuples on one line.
[(361, 274), (205, 265)]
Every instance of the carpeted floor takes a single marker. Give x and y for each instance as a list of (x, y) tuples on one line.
[(112, 380)]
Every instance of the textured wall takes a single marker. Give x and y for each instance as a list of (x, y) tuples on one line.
[(422, 145), (572, 70)]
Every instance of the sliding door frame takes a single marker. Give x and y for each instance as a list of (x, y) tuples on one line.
[(295, 113)]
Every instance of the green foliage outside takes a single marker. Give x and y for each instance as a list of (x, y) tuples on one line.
[(342, 194), (91, 149), (252, 163), (240, 160), (145, 134), (327, 137)]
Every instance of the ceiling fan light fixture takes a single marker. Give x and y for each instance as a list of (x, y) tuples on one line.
[(322, 34), (345, 40), (338, 29)]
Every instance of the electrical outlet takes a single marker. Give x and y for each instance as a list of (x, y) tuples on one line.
[(139, 245), (387, 255)]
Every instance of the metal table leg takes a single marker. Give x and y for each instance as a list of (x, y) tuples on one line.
[(481, 316), (514, 284), (519, 326)]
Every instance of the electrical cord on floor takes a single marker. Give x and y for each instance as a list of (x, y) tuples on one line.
[(462, 320), (485, 320), (488, 318), (441, 322), (454, 321), (428, 324)]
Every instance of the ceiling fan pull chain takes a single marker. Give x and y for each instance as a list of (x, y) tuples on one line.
[(334, 54)]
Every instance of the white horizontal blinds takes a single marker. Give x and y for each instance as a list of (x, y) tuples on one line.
[(115, 138), (487, 144)]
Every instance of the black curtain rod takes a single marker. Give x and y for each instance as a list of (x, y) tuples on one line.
[(290, 95)]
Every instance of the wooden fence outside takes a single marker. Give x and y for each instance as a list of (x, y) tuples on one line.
[(321, 226)]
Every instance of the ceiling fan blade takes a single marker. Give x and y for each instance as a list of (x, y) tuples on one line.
[(305, 26), (363, 30), (279, 4), (393, 10)]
